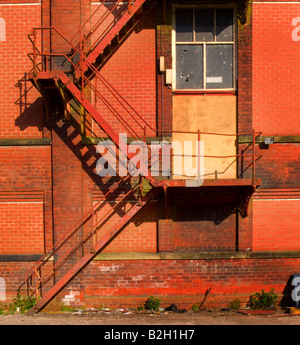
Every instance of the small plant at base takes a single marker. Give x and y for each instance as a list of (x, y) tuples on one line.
[(140, 308), (195, 307), (66, 308), (21, 304), (235, 304), (263, 300), (152, 303)]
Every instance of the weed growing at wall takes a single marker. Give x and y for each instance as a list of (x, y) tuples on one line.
[(263, 300), (152, 303), (19, 304), (235, 304)]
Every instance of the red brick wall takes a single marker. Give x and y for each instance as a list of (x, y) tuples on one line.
[(26, 171), (184, 282), (276, 67), (244, 74), (140, 235), (198, 221), (279, 166), (205, 228), (276, 112), (13, 274), (132, 72), (20, 103), (22, 228), (276, 220), (164, 48)]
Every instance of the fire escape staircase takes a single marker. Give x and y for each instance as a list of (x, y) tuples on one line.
[(70, 255), (61, 264)]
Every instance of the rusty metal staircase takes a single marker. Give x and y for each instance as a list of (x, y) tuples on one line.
[(42, 274), (112, 36), (70, 255)]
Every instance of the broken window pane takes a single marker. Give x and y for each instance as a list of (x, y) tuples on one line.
[(184, 25), (204, 25), (224, 25), (219, 66), (189, 66)]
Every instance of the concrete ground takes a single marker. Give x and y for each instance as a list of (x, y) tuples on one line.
[(128, 318)]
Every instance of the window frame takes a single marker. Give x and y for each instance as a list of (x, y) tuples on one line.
[(204, 44)]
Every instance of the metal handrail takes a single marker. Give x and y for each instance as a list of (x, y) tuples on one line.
[(96, 208)]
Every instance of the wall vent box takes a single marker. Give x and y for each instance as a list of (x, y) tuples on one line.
[(168, 76), (161, 62), (269, 140)]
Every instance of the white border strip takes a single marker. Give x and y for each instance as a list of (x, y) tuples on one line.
[(22, 4), (21, 202)]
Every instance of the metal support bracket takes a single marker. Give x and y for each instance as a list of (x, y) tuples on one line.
[(65, 99)]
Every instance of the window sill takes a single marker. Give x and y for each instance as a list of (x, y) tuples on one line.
[(206, 92)]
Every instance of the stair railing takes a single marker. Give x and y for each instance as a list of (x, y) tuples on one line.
[(35, 273)]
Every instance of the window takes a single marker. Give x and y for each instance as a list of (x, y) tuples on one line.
[(204, 48)]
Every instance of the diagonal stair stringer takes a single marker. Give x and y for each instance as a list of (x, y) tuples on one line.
[(113, 135), (87, 258), (106, 40)]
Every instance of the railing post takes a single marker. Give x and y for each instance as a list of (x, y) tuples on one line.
[(81, 62), (36, 284), (199, 150), (34, 53), (145, 133), (93, 232), (253, 163), (82, 38), (129, 6)]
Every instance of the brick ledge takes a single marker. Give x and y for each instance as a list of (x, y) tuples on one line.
[(198, 256)]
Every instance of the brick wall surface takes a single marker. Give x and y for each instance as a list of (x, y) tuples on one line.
[(276, 224), (13, 274), (275, 69), (273, 97), (25, 169), (22, 228), (21, 105), (244, 74), (279, 166), (185, 282), (140, 235), (203, 227), (131, 70)]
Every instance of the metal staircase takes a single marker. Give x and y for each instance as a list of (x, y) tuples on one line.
[(40, 276), (84, 58), (65, 260)]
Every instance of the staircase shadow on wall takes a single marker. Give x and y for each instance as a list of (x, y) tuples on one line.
[(30, 111)]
